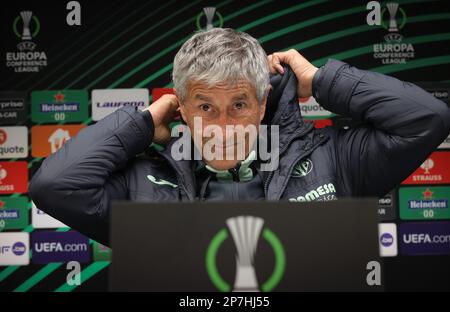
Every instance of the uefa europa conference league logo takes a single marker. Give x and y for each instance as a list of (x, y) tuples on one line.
[(245, 231), (395, 49), (27, 58)]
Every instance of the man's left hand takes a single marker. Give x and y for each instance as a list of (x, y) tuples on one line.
[(303, 69)]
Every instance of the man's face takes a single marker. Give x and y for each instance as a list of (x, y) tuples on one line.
[(218, 107)]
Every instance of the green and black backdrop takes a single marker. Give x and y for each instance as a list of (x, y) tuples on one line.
[(48, 58)]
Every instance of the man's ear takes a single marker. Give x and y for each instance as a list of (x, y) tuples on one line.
[(182, 106), (262, 111)]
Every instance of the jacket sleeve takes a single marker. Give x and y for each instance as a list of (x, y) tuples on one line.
[(400, 125), (77, 183)]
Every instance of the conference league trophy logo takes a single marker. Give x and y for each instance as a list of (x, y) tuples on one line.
[(392, 8), (27, 58), (395, 49), (26, 18), (209, 13), (245, 232)]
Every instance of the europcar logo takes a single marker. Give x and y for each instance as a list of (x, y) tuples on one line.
[(26, 26), (159, 92), (245, 232)]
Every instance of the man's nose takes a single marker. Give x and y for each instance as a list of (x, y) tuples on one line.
[(226, 127)]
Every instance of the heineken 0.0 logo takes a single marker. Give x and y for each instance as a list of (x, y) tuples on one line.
[(245, 231), (59, 106)]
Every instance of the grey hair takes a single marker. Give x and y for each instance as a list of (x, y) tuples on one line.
[(221, 55)]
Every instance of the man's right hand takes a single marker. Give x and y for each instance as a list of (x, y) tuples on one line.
[(163, 112)]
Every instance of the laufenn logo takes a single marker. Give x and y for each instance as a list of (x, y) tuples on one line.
[(245, 231), (106, 101), (140, 104)]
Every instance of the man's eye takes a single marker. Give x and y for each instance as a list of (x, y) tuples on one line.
[(205, 107), (239, 105)]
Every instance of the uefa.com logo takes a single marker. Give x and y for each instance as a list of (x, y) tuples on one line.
[(245, 231), (27, 58)]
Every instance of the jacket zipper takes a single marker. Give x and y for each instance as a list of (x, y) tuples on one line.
[(235, 173), (203, 188), (271, 173), (323, 138)]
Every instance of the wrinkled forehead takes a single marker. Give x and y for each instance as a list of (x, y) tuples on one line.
[(242, 89)]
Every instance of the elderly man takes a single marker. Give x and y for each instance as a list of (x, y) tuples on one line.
[(222, 77)]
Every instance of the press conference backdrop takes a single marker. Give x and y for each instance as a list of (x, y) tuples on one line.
[(62, 71)]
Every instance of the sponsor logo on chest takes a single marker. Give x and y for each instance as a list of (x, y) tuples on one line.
[(324, 192)]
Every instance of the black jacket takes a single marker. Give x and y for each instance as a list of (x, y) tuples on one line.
[(400, 125)]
